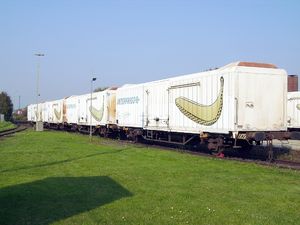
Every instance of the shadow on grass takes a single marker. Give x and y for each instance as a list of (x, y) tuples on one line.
[(46, 201), (61, 161)]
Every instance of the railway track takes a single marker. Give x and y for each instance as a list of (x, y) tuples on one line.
[(274, 163), (287, 164), (13, 130)]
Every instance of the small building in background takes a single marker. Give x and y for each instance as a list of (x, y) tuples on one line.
[(20, 114), (1, 117), (292, 83)]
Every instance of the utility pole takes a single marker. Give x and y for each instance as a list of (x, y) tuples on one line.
[(39, 55), (91, 105)]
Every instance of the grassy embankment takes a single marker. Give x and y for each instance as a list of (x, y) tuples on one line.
[(61, 178), (6, 126)]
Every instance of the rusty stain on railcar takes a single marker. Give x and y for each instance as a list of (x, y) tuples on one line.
[(111, 108), (65, 119)]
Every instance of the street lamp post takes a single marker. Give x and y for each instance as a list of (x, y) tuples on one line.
[(19, 101), (91, 104), (37, 88)]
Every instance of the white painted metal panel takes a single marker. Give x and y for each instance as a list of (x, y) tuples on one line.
[(96, 110), (34, 112), (50, 112), (261, 95), (31, 112), (39, 111), (156, 105), (160, 112), (293, 109), (56, 111), (232, 98), (202, 102), (71, 110), (28, 113), (111, 106), (101, 111), (130, 111), (46, 112), (82, 117)]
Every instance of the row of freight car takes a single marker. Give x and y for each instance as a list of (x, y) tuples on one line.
[(240, 102)]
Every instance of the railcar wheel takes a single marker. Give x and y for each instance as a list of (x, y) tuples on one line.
[(121, 135)]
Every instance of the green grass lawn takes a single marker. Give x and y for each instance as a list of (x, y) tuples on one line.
[(61, 178), (6, 126)]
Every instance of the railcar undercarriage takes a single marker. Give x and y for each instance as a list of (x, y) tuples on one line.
[(214, 142)]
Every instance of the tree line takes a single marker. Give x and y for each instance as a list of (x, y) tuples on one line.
[(6, 106)]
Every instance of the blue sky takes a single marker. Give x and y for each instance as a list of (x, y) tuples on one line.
[(137, 41)]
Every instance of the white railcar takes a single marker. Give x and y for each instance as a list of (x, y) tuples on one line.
[(293, 110), (29, 108), (100, 112), (55, 112), (236, 98), (82, 109), (70, 107), (31, 112), (130, 106), (46, 110)]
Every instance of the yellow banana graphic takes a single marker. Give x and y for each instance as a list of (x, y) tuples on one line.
[(298, 106), (97, 113), (57, 114), (202, 114)]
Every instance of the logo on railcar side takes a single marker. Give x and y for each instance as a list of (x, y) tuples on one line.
[(202, 114), (128, 100)]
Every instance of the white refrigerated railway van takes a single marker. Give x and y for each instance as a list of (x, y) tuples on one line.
[(237, 98)]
